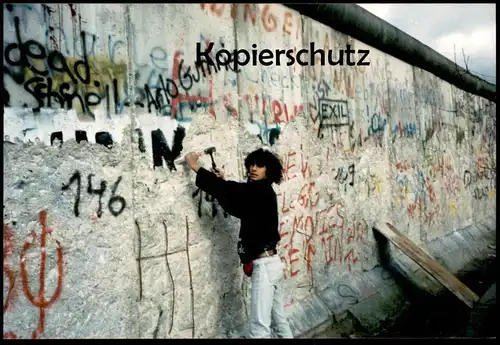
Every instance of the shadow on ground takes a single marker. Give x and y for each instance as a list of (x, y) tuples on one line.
[(429, 316), (444, 315)]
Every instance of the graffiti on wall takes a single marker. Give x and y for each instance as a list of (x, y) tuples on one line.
[(311, 231), (265, 16), (415, 192), (404, 130), (116, 203), (51, 79), (377, 125), (344, 176), (332, 114), (481, 184), (72, 75), (21, 279), (64, 69), (164, 255), (330, 117)]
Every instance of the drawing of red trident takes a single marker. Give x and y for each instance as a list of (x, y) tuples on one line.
[(8, 249), (40, 301)]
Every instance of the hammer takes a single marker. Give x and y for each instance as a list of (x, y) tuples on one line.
[(208, 151)]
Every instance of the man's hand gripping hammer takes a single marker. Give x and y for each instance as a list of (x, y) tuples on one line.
[(208, 151)]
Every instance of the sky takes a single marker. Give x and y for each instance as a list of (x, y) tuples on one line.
[(471, 27)]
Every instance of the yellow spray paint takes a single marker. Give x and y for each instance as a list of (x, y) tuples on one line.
[(492, 193), (452, 207), (101, 71)]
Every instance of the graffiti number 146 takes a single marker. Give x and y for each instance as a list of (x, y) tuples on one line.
[(116, 203)]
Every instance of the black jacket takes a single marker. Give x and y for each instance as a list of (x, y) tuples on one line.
[(254, 202)]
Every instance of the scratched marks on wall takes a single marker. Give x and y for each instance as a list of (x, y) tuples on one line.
[(166, 254), (21, 279)]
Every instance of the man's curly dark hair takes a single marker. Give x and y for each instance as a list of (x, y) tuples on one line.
[(265, 158)]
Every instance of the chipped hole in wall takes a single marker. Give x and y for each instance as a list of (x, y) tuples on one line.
[(56, 136), (81, 136), (105, 139)]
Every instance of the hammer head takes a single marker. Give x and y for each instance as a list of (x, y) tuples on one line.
[(209, 151)]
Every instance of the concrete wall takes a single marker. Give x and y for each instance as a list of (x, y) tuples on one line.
[(105, 240)]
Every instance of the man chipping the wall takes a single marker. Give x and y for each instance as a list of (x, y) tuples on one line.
[(255, 204)]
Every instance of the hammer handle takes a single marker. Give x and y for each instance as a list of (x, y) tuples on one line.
[(213, 162), (183, 161)]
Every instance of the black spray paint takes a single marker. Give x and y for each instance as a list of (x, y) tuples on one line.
[(55, 61), (116, 199), (104, 138), (18, 56), (76, 177), (81, 136), (113, 200), (99, 192), (332, 114), (343, 174), (56, 135), (162, 151), (140, 135)]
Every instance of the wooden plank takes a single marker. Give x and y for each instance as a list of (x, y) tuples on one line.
[(428, 263)]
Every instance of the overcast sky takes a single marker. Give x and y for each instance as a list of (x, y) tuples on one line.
[(440, 26)]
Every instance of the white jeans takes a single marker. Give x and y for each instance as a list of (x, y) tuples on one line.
[(267, 307)]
